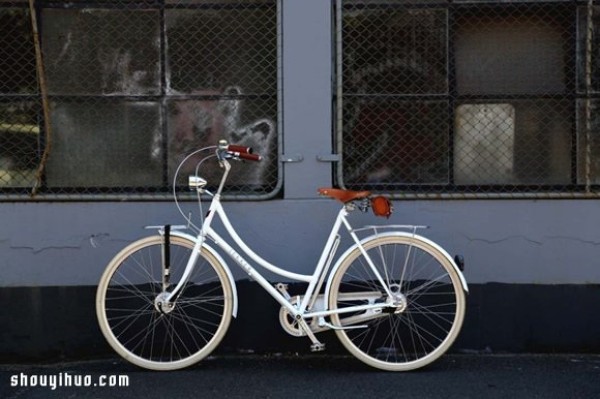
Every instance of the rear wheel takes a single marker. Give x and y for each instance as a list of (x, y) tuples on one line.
[(428, 296), (141, 327)]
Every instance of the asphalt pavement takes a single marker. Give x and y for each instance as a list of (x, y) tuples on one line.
[(311, 376)]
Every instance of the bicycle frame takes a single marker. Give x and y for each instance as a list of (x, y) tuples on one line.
[(314, 281)]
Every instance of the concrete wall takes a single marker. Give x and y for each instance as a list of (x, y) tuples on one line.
[(514, 242)]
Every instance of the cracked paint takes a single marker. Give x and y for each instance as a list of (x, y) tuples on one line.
[(537, 242), (95, 240)]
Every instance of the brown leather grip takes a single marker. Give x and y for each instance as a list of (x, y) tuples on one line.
[(239, 148), (249, 157)]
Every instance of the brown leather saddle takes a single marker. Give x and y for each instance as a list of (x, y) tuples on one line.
[(344, 196)]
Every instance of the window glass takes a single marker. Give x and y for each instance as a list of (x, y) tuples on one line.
[(19, 143), (395, 51), (105, 143), (102, 51), (393, 142), (233, 47), (19, 129), (515, 53), (17, 54)]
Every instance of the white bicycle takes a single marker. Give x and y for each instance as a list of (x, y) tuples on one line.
[(395, 299)]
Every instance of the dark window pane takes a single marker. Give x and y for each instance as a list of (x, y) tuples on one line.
[(523, 51), (104, 143), (390, 51), (213, 3), (506, 1), (94, 51), (19, 144), (17, 54), (393, 142), (212, 49)]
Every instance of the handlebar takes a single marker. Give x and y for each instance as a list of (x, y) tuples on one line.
[(239, 152), (247, 157), (239, 148)]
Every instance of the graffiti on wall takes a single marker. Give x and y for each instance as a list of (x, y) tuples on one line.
[(198, 123)]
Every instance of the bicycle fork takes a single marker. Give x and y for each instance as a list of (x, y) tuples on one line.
[(165, 301), (162, 301), (166, 258)]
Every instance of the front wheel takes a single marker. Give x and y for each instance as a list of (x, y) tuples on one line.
[(428, 297), (131, 311)]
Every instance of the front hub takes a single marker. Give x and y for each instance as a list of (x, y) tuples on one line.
[(162, 304)]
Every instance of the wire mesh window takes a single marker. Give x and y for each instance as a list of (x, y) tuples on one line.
[(468, 97), (130, 88)]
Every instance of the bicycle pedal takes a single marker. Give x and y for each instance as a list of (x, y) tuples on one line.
[(317, 347)]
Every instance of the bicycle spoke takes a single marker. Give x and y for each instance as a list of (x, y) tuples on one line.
[(135, 314)]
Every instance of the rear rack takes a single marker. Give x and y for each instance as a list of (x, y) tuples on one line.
[(375, 228)]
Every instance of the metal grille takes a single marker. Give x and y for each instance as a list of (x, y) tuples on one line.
[(125, 89), (469, 98)]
